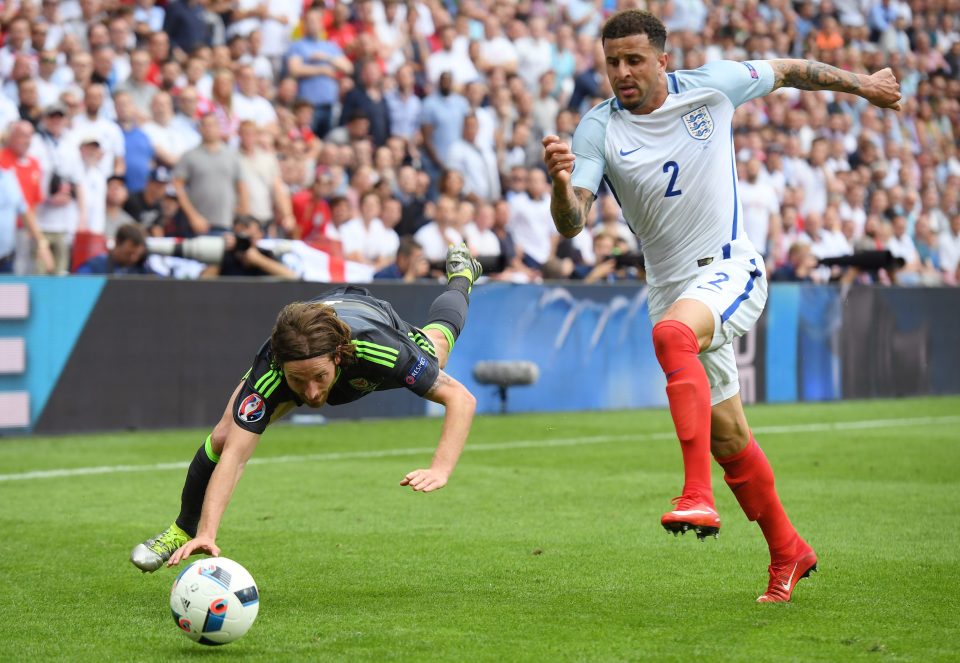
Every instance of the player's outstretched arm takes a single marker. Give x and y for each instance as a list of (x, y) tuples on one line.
[(569, 205), (237, 450), (459, 406), (880, 88)]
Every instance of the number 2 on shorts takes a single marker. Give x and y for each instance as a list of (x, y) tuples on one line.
[(716, 282)]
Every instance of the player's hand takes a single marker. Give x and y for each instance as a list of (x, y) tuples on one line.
[(425, 480), (883, 89), (558, 157), (192, 547)]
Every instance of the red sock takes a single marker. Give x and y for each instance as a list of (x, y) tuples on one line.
[(750, 477), (688, 392)]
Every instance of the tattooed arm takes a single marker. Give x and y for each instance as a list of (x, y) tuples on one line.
[(459, 406), (880, 88), (569, 205)]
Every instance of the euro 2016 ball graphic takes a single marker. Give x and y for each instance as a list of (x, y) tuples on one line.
[(214, 601)]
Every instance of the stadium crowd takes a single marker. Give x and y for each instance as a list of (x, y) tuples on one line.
[(382, 131)]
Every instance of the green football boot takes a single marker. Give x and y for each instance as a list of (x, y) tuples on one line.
[(461, 263), (152, 553)]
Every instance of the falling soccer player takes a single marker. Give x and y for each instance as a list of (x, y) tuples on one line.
[(664, 144), (331, 350)]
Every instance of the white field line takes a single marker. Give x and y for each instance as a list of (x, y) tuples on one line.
[(495, 446)]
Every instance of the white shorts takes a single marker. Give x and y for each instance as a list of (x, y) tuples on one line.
[(735, 289)]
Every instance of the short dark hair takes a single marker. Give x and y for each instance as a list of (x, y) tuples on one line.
[(130, 232), (408, 246), (629, 22)]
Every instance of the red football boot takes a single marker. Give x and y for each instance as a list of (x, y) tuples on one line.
[(692, 513), (784, 576)]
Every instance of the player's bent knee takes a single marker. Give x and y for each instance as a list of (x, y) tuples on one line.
[(673, 335), (728, 439)]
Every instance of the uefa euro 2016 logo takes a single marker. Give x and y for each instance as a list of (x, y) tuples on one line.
[(699, 123)]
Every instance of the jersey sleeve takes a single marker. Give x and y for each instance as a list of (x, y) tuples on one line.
[(398, 359), (264, 388), (588, 146), (740, 81)]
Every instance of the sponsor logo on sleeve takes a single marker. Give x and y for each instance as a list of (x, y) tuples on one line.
[(251, 409), (416, 370), (753, 72)]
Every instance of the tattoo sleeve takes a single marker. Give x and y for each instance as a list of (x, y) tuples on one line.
[(809, 75), (442, 380), (569, 216)]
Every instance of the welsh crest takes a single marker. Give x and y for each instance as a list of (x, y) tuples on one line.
[(699, 123)]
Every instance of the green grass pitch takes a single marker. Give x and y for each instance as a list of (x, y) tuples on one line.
[(545, 546)]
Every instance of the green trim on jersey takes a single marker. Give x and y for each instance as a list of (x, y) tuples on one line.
[(269, 382), (208, 447), (446, 332), (422, 342), (376, 354)]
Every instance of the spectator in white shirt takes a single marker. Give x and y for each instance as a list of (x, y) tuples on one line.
[(495, 49), (853, 207), (481, 240), (949, 249), (169, 139), (760, 205), (436, 236), (108, 133), (478, 166), (535, 53), (447, 59), (530, 222), (94, 185), (366, 239), (815, 180), (247, 102)]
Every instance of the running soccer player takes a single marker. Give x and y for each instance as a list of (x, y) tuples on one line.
[(664, 145), (331, 350)]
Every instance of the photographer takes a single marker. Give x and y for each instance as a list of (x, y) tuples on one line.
[(614, 262), (128, 255), (799, 266), (241, 256)]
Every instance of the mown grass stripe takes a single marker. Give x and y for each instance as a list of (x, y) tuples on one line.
[(868, 424)]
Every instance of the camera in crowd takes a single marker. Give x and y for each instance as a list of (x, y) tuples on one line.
[(867, 261)]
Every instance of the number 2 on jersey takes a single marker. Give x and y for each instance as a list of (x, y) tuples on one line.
[(674, 170)]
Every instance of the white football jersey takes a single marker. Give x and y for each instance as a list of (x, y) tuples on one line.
[(673, 171)]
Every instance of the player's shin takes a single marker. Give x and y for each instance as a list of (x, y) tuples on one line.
[(750, 477), (448, 315), (688, 392), (195, 487)]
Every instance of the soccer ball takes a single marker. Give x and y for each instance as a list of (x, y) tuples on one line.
[(214, 601)]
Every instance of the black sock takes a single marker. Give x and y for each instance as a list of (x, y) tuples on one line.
[(448, 313), (462, 285), (195, 487)]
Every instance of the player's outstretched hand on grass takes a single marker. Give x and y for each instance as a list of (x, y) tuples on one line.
[(192, 547), (425, 480)]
